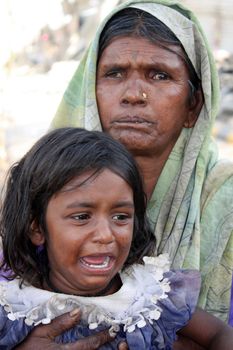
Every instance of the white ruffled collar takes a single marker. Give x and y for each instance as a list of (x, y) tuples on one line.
[(132, 305)]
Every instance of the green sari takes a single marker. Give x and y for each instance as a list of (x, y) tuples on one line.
[(191, 208)]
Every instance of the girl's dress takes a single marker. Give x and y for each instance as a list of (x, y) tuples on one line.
[(150, 307)]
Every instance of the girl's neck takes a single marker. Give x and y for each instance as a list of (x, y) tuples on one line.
[(113, 286)]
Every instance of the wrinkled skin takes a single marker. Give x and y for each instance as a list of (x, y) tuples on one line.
[(143, 95), (144, 100)]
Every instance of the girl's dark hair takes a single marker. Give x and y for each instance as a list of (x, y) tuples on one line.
[(138, 23), (52, 162)]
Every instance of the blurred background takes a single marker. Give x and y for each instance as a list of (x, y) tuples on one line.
[(41, 43)]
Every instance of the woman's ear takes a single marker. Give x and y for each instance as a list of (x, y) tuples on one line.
[(195, 105), (36, 234)]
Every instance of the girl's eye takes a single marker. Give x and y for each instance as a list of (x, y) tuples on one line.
[(81, 217), (121, 217), (155, 75)]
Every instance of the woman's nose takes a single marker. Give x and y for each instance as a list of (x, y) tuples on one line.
[(103, 232), (134, 93)]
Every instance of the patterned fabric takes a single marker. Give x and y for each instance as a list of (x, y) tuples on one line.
[(191, 208), (150, 307), (231, 309)]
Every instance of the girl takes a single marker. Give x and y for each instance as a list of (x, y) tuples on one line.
[(75, 234)]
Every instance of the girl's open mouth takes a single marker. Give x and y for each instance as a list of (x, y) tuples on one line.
[(96, 262)]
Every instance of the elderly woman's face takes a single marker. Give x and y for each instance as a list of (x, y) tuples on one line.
[(143, 95)]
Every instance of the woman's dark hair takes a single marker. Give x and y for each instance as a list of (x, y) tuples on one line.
[(52, 162), (138, 23)]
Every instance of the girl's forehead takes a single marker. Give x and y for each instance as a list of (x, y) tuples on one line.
[(104, 188), (88, 177), (80, 179)]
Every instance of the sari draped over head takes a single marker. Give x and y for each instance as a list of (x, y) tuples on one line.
[(191, 208)]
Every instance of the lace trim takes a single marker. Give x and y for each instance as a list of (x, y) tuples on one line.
[(144, 283)]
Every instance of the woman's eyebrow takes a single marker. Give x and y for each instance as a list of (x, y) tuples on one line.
[(154, 63), (114, 65)]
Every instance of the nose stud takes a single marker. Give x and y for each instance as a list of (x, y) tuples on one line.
[(144, 95)]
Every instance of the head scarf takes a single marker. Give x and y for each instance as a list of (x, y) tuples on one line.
[(191, 208)]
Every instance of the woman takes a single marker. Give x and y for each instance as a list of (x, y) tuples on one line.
[(160, 99)]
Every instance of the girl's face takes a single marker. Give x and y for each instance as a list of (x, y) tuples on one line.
[(90, 230)]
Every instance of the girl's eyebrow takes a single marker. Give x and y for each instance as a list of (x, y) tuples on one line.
[(120, 204), (129, 204), (79, 205)]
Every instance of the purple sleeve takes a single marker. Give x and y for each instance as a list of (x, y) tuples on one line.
[(179, 306), (12, 333)]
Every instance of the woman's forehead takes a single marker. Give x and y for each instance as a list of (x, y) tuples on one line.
[(124, 49)]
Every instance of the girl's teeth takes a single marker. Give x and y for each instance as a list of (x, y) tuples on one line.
[(104, 264)]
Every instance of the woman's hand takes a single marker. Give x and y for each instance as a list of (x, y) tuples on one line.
[(42, 337), (184, 343)]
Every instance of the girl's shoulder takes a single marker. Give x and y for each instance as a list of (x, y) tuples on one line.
[(171, 295), (170, 300)]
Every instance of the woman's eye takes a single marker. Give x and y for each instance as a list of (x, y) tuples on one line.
[(114, 74), (158, 75)]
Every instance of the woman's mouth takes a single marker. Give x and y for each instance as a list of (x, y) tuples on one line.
[(132, 120), (136, 123)]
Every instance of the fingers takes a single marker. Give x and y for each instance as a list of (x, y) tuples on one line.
[(42, 337), (92, 342), (58, 326), (123, 346)]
